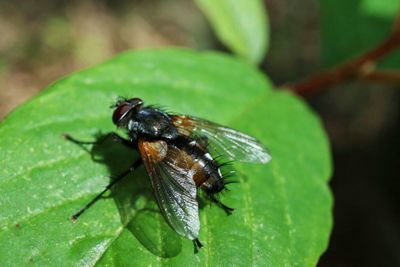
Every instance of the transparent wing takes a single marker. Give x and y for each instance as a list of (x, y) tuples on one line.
[(223, 140), (173, 187)]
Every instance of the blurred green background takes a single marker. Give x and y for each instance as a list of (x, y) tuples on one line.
[(41, 41)]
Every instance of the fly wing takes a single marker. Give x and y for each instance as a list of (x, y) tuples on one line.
[(223, 140), (173, 187)]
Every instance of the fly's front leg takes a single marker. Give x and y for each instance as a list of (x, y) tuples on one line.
[(116, 179)]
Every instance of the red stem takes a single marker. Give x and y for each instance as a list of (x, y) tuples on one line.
[(392, 76), (352, 68)]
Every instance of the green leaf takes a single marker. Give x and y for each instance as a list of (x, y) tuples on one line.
[(386, 9), (283, 209), (351, 27), (242, 25)]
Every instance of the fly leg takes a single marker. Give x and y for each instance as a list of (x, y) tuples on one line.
[(227, 209), (133, 167), (197, 245)]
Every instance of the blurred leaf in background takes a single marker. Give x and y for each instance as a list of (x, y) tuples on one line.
[(351, 27), (386, 9), (241, 25)]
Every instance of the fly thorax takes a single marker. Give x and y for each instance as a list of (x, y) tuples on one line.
[(153, 123), (133, 127)]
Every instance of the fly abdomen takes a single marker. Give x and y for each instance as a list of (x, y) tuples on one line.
[(206, 171)]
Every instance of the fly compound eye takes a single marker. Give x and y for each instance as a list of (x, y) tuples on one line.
[(120, 112)]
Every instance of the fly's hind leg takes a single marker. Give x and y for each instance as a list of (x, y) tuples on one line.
[(227, 209), (197, 245)]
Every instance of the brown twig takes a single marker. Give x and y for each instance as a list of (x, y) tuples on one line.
[(352, 68), (391, 76)]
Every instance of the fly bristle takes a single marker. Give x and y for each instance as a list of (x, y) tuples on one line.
[(225, 163), (206, 143), (228, 181), (228, 174), (231, 182), (159, 107), (218, 157), (119, 100)]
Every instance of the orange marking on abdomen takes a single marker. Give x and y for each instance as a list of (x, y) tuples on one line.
[(199, 175)]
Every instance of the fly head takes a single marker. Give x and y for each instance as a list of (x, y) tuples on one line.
[(125, 109)]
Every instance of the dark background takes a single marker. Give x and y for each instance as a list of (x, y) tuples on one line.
[(42, 41)]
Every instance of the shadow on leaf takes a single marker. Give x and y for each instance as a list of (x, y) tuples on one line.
[(134, 199)]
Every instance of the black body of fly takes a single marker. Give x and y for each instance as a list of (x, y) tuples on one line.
[(178, 152)]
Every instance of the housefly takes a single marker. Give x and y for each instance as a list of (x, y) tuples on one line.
[(179, 154)]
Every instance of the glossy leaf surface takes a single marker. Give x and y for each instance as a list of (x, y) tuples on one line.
[(283, 209)]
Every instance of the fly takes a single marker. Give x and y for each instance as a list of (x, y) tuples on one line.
[(178, 152)]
